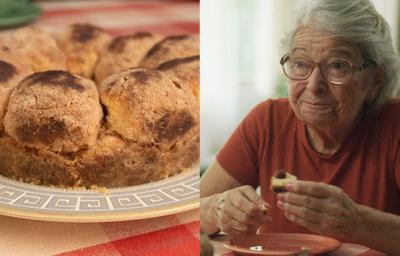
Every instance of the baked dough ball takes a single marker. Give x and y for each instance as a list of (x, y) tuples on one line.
[(40, 167), (185, 153), (171, 47), (52, 128), (146, 107), (184, 72), (16, 58), (9, 78), (54, 110), (82, 44), (124, 52), (37, 48)]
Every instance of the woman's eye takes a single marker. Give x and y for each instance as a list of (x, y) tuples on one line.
[(300, 64), (337, 65)]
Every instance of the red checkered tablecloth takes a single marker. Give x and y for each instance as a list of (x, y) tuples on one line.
[(122, 17), (176, 234)]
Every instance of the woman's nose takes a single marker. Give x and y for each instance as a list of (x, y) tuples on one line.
[(316, 82)]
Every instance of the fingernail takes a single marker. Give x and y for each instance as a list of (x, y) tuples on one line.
[(266, 204), (281, 196), (269, 218), (289, 186), (280, 204)]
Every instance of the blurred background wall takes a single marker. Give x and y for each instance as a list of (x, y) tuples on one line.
[(240, 61)]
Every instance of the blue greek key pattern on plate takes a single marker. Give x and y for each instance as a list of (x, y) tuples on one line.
[(171, 191)]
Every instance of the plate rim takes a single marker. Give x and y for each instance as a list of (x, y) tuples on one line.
[(227, 244), (99, 216), (191, 203)]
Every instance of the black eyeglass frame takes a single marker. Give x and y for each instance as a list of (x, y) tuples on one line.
[(368, 62)]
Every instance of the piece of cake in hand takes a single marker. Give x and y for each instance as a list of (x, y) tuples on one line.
[(280, 180)]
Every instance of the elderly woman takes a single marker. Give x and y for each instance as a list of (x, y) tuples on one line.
[(338, 132)]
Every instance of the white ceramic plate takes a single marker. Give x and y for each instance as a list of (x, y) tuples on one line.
[(172, 195)]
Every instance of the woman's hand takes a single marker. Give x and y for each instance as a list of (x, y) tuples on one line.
[(240, 211), (322, 208)]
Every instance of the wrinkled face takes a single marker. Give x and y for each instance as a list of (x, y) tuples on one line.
[(319, 103)]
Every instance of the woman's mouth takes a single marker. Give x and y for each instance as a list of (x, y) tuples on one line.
[(316, 105)]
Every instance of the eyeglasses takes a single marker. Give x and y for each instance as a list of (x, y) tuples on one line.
[(334, 70)]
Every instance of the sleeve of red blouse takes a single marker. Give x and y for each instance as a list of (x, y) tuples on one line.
[(239, 154), (396, 139), (397, 166)]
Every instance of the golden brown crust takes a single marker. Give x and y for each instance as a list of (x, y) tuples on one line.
[(7, 72), (184, 72), (280, 179), (40, 167), (52, 127), (114, 160), (146, 107), (123, 53), (171, 47), (114, 163), (54, 110), (84, 33), (82, 45), (121, 43), (37, 48), (185, 153), (9, 78), (16, 58)]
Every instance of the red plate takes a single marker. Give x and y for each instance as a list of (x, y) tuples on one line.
[(282, 244)]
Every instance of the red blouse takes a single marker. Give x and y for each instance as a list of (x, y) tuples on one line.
[(366, 166)]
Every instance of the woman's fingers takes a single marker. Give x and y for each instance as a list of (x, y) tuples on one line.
[(316, 221), (229, 225), (311, 188), (320, 207), (326, 205), (242, 211), (238, 214), (252, 196), (246, 200), (302, 212), (302, 200)]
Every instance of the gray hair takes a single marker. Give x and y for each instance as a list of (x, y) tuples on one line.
[(355, 21)]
